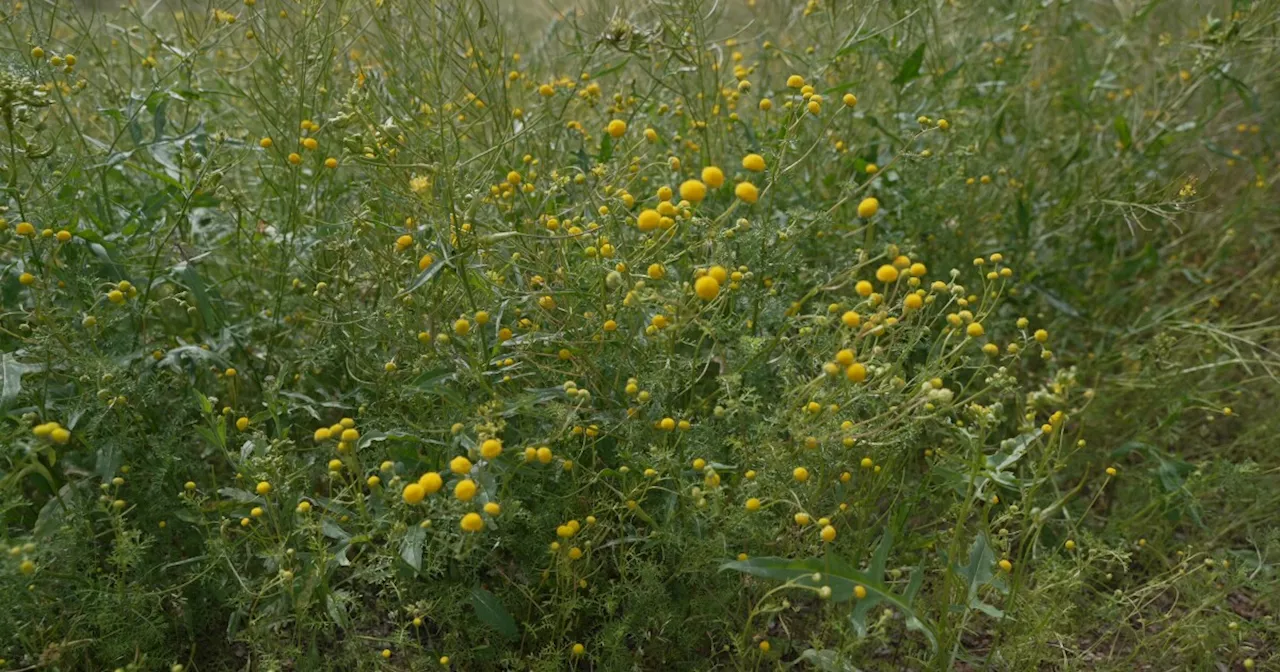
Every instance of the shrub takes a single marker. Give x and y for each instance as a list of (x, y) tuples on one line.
[(408, 335)]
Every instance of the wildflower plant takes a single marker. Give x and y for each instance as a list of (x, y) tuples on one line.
[(673, 335)]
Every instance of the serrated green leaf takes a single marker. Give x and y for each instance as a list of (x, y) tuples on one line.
[(979, 570)]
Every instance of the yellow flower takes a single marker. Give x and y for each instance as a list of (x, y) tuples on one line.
[(263, 488), (886, 273), (648, 220), (712, 176), (828, 534), (693, 191), (413, 493), (465, 490), (472, 522), (747, 192), (707, 288), (431, 482), (800, 474), (795, 81), (460, 465), (850, 100), (617, 127), (868, 207), (491, 449), (753, 162), (753, 504)]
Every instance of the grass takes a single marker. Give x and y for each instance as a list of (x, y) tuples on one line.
[(417, 334)]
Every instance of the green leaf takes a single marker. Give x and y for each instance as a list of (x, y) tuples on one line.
[(979, 570), (334, 530), (158, 119), (238, 494), (987, 609), (835, 573), (11, 372), (1017, 447), (875, 123), (606, 148), (827, 661), (423, 277), (205, 405), (911, 67), (878, 561), (436, 382), (491, 612), (336, 612), (1122, 130), (411, 547), (611, 69), (1172, 472), (195, 283), (1246, 94)]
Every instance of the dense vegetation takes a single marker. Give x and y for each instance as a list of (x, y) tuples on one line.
[(683, 334)]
